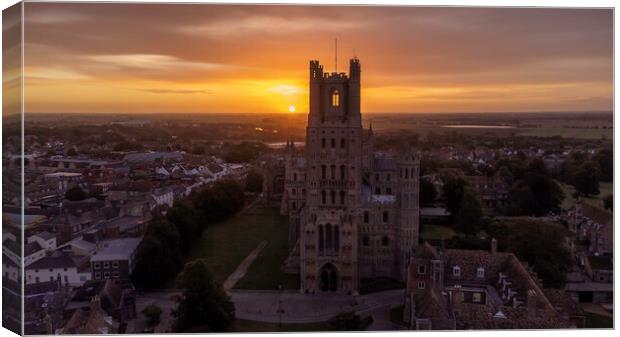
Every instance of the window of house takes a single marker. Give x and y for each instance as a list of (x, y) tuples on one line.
[(116, 274), (333, 171), (343, 143), (333, 197), (480, 272), (385, 241), (366, 217), (377, 190), (421, 285), (389, 177), (294, 191), (388, 190), (36, 279), (456, 271), (342, 197), (323, 142), (476, 297), (51, 278), (323, 172), (294, 176), (342, 171), (106, 265), (106, 274), (335, 98), (97, 275), (422, 269), (294, 205), (333, 143), (386, 217), (366, 241), (323, 197), (66, 279)]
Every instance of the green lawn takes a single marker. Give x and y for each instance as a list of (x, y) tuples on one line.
[(226, 244), (437, 232), (594, 321), (569, 190), (266, 273), (255, 326)]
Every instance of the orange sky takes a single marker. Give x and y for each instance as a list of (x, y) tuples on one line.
[(222, 58)]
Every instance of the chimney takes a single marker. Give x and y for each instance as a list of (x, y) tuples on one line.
[(531, 303), (457, 297), (493, 246)]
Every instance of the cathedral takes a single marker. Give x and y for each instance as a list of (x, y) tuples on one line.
[(353, 212)]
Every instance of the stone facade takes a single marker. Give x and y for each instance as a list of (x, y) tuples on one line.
[(353, 213)]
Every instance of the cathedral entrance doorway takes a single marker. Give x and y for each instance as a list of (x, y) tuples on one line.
[(329, 278)]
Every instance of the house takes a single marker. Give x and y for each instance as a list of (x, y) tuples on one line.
[(115, 259), (117, 298), (492, 191), (474, 289), (54, 266)]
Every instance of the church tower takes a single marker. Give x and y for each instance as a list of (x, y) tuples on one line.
[(329, 229)]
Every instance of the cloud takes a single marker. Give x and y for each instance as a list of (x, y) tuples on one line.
[(154, 62), (177, 91)]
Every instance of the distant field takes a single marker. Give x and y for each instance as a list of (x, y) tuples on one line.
[(226, 244), (569, 200), (567, 133)]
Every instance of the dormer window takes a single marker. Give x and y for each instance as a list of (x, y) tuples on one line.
[(456, 271), (480, 272), (422, 269), (335, 98)]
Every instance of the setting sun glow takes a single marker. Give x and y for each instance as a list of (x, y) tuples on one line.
[(291, 108)]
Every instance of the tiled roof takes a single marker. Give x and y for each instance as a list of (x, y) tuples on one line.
[(57, 260)]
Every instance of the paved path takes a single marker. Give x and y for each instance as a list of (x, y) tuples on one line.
[(308, 308), (297, 308), (243, 267)]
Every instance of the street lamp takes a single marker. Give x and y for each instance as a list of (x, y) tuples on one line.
[(280, 310)]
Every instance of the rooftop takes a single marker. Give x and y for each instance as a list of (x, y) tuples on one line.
[(117, 249)]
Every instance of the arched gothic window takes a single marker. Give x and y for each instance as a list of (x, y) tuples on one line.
[(335, 98)]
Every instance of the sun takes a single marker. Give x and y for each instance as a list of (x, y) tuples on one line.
[(291, 108)]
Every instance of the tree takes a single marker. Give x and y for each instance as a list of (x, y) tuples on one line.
[(536, 193), (428, 193), (605, 160), (72, 152), (587, 179), (470, 212), (152, 314), (453, 191), (198, 150), (541, 244), (221, 200), (254, 182), (158, 256), (204, 306), (608, 202), (188, 222), (349, 321), (75, 194)]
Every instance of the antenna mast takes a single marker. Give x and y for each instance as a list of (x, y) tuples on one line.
[(336, 55)]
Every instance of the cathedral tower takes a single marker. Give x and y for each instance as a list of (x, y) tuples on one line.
[(328, 240)]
